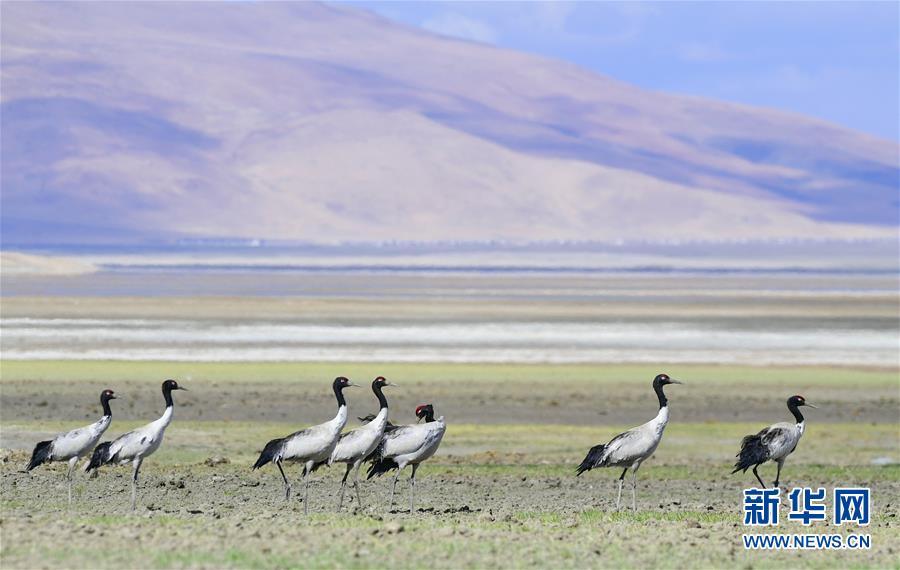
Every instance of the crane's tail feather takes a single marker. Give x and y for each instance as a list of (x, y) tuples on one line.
[(592, 459), (381, 467), (41, 454), (753, 452), (269, 453), (99, 457)]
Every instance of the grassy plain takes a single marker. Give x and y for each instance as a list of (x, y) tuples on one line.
[(500, 493)]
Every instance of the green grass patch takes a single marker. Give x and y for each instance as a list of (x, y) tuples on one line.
[(141, 371)]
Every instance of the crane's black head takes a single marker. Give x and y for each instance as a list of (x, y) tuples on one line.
[(170, 385), (380, 383), (658, 383), (797, 401), (340, 383), (167, 388), (663, 380), (105, 397), (425, 412), (377, 385)]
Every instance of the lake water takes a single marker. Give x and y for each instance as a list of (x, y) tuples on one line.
[(751, 306), (497, 342)]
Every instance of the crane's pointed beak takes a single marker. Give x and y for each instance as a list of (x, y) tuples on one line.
[(671, 381), (182, 388), (392, 384), (811, 406), (351, 385)]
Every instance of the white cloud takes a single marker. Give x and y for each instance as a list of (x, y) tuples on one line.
[(551, 16), (458, 26), (696, 52)]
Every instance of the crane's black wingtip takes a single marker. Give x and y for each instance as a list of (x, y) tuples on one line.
[(99, 457), (380, 467), (591, 460), (753, 452), (269, 452), (41, 454)]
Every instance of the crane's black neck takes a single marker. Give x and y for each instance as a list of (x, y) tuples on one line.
[(429, 416), (339, 394), (796, 411), (382, 401), (104, 401), (658, 388), (167, 394)]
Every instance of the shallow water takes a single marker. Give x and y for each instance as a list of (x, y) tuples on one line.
[(537, 342)]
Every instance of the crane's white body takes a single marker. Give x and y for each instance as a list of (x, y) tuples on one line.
[(413, 443), (142, 442), (75, 444), (357, 444), (633, 447), (312, 446), (136, 445), (781, 439), (630, 449), (774, 443), (315, 444)]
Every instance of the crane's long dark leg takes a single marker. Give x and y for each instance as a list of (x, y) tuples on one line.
[(412, 489), (72, 463), (394, 488), (634, 487), (134, 480), (621, 482), (287, 485), (307, 469), (344, 485), (758, 478), (356, 483), (778, 475)]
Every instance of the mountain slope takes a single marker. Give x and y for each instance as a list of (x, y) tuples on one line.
[(305, 121)]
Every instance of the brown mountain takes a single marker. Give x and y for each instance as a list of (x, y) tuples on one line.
[(135, 121)]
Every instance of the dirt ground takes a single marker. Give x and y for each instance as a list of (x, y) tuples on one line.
[(553, 396), (512, 516), (500, 493)]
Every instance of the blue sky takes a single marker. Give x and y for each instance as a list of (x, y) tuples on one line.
[(835, 60)]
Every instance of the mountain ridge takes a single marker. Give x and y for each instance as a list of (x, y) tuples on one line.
[(314, 121)]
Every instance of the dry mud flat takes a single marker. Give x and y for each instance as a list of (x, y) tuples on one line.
[(468, 515)]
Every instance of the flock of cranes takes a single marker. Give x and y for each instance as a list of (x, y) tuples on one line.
[(385, 446)]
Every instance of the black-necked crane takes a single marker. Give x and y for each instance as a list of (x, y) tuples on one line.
[(774, 443), (311, 446), (135, 446), (633, 447), (356, 445), (73, 445), (408, 445)]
